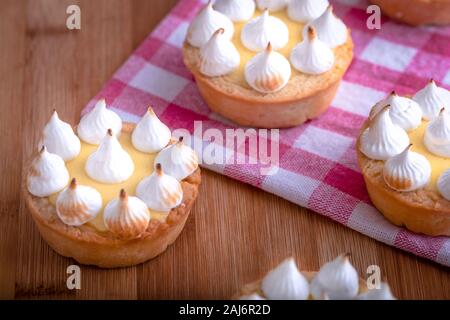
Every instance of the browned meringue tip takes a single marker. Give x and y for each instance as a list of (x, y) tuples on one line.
[(219, 31), (159, 170), (269, 48), (431, 80), (311, 33), (150, 110), (346, 255), (408, 147), (73, 183), (393, 93), (123, 195), (43, 148), (442, 111), (180, 140), (109, 132)]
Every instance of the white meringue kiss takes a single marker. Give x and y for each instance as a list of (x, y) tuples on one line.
[(312, 56), (407, 171), (236, 10), (218, 56), (206, 23), (306, 10), (268, 71), (272, 5), (150, 135), (336, 279), (94, 124), (443, 184), (48, 174), (383, 293), (110, 163), (59, 138), (159, 191), (126, 217), (261, 30), (404, 112), (285, 282), (77, 204), (437, 135), (178, 160), (383, 139), (330, 29), (432, 99)]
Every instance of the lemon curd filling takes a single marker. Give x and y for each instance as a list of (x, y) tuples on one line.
[(438, 164), (295, 36), (143, 166)]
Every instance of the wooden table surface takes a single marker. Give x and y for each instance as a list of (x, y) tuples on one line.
[(235, 232)]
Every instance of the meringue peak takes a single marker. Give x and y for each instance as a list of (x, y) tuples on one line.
[(437, 135), (431, 98), (330, 29)]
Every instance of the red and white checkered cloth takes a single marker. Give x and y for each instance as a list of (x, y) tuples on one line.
[(317, 166)]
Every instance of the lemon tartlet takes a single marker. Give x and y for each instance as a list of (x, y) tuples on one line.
[(264, 65), (404, 154), (116, 198), (416, 12), (336, 280)]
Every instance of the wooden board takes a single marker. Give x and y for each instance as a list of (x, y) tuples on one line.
[(235, 233)]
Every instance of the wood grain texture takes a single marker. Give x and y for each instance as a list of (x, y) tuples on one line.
[(235, 234)]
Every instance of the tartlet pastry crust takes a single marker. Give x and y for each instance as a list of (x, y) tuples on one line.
[(88, 246), (422, 211), (416, 12), (304, 97)]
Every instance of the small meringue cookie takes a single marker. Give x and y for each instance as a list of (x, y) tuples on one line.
[(59, 138), (261, 30), (150, 135), (272, 5), (126, 217), (330, 29), (407, 171), (206, 23), (110, 163), (77, 204), (443, 184), (218, 56), (306, 10), (94, 124), (437, 135), (383, 293), (285, 282), (432, 99), (159, 191), (236, 10), (267, 71), (383, 139), (337, 279), (312, 56), (48, 174), (404, 112), (253, 296), (178, 160)]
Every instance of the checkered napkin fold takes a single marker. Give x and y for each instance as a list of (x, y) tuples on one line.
[(317, 166)]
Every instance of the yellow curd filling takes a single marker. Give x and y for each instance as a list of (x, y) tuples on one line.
[(438, 164), (295, 36), (143, 166)]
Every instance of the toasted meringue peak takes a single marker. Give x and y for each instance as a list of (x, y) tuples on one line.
[(437, 135), (407, 171), (218, 56), (306, 10), (443, 184), (178, 160), (94, 124), (431, 99), (383, 293), (159, 191), (48, 174), (268, 71), (59, 138), (253, 296), (330, 29), (150, 135), (261, 30), (338, 279), (404, 112), (236, 10), (383, 139), (285, 282), (206, 23), (126, 217), (272, 5), (77, 204), (110, 163), (312, 56)]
